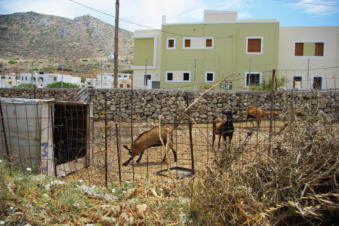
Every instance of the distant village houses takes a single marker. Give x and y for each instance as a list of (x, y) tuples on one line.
[(106, 81), (42, 80)]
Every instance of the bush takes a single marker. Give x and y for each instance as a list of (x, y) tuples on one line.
[(12, 62), (295, 185), (64, 85), (267, 84), (128, 71), (30, 85)]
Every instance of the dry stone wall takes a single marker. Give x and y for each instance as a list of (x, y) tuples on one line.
[(147, 105)]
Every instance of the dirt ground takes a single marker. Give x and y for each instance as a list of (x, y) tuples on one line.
[(245, 136)]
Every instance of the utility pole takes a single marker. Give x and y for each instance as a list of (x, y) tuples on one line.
[(145, 76), (32, 80), (195, 74), (62, 75), (101, 75), (249, 72), (116, 47), (308, 73)]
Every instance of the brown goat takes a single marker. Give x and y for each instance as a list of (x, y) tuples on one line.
[(258, 114), (148, 139)]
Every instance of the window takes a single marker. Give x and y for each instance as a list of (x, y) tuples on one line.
[(253, 79), (319, 49), (209, 77), (299, 49), (128, 86), (55, 79), (186, 76), (146, 78), (169, 76), (171, 43), (178, 76), (121, 85), (297, 82), (254, 45), (198, 43), (309, 48), (208, 43), (187, 43), (317, 82)]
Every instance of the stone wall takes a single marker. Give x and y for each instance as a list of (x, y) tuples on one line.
[(147, 105)]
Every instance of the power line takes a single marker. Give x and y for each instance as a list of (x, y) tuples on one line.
[(307, 3), (107, 14), (141, 25)]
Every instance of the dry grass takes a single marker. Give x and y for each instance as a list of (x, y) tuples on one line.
[(296, 184), (146, 170)]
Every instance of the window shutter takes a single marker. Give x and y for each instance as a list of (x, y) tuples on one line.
[(187, 43), (171, 43), (319, 49), (299, 49), (208, 42), (254, 45)]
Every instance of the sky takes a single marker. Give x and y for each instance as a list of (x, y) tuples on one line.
[(147, 14)]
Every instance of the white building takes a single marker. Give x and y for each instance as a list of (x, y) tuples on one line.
[(106, 81), (9, 80), (308, 57), (90, 82), (42, 80), (148, 75)]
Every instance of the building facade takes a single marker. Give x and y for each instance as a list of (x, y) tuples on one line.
[(240, 53), (42, 80), (9, 80), (106, 81), (309, 57), (146, 65)]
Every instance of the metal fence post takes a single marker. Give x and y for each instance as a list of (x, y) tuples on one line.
[(271, 117), (106, 165)]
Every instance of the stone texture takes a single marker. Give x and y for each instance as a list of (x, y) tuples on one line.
[(147, 105)]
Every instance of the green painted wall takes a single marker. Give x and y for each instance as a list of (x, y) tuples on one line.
[(143, 49), (227, 56), (309, 49)]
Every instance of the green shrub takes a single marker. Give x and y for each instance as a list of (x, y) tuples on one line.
[(128, 71), (30, 85), (12, 62), (64, 85), (267, 84)]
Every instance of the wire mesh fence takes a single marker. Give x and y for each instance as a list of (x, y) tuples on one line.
[(60, 139)]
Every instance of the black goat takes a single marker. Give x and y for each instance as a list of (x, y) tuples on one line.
[(223, 128)]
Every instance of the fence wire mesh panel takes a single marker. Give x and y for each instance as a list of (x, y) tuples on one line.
[(62, 139), (52, 138)]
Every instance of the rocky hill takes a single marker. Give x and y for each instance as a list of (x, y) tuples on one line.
[(39, 36)]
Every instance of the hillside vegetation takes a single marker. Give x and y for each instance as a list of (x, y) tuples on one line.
[(33, 35)]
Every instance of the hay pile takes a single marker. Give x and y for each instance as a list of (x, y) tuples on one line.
[(296, 184)]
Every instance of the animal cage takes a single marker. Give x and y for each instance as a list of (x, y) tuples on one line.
[(50, 137)]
